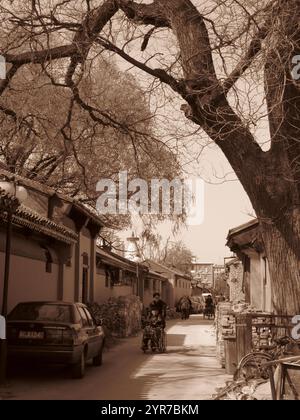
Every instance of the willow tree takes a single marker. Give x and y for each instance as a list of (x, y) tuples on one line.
[(213, 51)]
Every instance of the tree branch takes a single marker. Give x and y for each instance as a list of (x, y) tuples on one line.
[(160, 74), (145, 14)]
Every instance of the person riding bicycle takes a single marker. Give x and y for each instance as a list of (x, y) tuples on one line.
[(209, 309), (184, 306), (153, 326), (159, 305), (209, 302)]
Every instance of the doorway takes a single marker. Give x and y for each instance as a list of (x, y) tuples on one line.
[(84, 285)]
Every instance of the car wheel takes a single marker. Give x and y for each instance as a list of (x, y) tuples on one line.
[(78, 369), (97, 360)]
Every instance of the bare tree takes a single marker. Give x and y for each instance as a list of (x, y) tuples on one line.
[(61, 145), (214, 45), (177, 255)]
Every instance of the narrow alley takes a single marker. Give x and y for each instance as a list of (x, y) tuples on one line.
[(188, 371)]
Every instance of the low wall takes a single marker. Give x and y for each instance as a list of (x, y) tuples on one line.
[(120, 316), (225, 328)]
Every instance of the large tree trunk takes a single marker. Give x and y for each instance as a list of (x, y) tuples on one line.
[(282, 236), (271, 179), (283, 254)]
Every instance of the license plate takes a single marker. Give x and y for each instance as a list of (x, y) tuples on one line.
[(32, 335)]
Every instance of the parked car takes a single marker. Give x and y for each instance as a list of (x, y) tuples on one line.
[(55, 332)]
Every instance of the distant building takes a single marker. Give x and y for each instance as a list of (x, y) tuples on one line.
[(218, 269), (203, 274), (221, 286), (53, 247), (119, 276), (178, 285), (55, 255)]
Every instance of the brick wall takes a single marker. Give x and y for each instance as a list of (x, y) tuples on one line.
[(235, 282), (225, 327)]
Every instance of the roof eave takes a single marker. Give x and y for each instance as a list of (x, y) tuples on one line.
[(242, 228)]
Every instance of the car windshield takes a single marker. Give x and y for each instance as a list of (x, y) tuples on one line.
[(41, 312)]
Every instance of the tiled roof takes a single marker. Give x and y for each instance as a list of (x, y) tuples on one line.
[(7, 200), (246, 226), (26, 217), (162, 269), (157, 275), (50, 191), (235, 260), (116, 260)]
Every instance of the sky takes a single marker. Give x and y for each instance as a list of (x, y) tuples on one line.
[(226, 206), (226, 203)]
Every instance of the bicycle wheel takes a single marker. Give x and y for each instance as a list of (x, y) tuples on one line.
[(162, 342), (145, 339), (251, 366)]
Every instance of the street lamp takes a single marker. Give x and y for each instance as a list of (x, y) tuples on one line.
[(14, 196)]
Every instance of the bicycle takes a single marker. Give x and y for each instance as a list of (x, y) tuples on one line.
[(252, 366), (162, 341), (209, 312), (157, 338)]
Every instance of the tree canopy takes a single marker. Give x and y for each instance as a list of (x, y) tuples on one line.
[(231, 63)]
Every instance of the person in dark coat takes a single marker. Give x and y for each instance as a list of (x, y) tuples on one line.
[(159, 305), (152, 330)]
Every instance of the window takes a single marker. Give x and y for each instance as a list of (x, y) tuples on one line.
[(48, 261), (126, 278), (107, 278), (247, 264), (83, 317), (265, 271), (42, 312), (85, 259), (84, 285)]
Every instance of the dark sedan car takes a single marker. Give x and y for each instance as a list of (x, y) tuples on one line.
[(55, 332)]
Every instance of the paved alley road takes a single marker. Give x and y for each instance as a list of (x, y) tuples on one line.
[(189, 370)]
